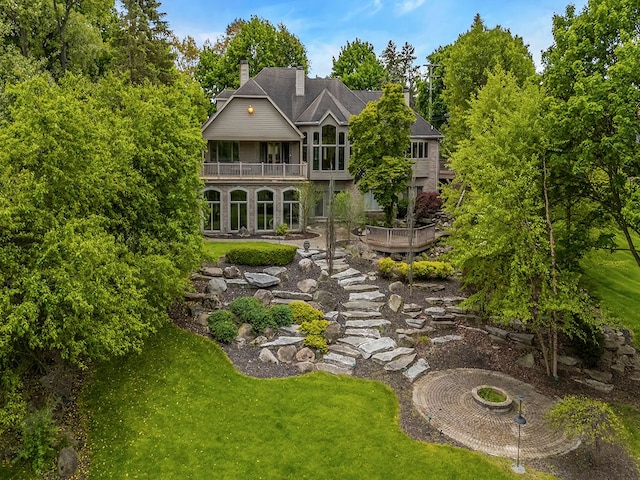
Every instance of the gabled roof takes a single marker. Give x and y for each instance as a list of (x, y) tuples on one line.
[(322, 96)]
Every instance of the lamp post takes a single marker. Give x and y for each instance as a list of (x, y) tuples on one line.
[(520, 421)]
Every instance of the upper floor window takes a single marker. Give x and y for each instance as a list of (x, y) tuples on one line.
[(418, 149), (329, 149), (223, 151)]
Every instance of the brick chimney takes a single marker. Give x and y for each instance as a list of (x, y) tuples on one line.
[(300, 77), (244, 72)]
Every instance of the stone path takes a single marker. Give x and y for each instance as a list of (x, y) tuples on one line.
[(444, 399)]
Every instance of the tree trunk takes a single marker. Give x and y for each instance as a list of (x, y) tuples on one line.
[(545, 353), (554, 273)]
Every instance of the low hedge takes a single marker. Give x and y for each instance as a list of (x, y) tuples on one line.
[(273, 255), (422, 270), (251, 310), (222, 326)]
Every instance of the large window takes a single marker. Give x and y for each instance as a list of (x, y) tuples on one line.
[(265, 210), (329, 149), (238, 207), (212, 213), (291, 209), (225, 152)]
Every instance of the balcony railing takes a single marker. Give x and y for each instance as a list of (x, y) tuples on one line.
[(396, 240), (240, 169)]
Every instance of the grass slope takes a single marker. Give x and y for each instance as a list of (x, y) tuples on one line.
[(614, 278), (214, 250), (180, 410)]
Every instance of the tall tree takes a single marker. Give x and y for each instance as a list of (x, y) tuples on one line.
[(258, 42), (504, 234), (466, 65), (592, 73), (429, 101), (187, 54), (143, 43), (379, 137), (399, 66), (100, 224), (358, 67)]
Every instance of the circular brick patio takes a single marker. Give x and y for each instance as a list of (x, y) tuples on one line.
[(446, 397)]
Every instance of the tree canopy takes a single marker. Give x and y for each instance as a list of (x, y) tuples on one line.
[(358, 67), (257, 41), (379, 136), (591, 73)]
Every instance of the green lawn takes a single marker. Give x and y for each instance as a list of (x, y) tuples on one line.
[(630, 417), (214, 250), (180, 410), (614, 278)]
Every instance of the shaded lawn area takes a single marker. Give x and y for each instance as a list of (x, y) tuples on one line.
[(614, 278), (630, 417), (181, 410)]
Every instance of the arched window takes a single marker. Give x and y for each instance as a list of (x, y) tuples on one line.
[(264, 210), (238, 207), (291, 209), (212, 213)]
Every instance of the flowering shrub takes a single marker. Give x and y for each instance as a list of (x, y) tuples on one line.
[(303, 312)]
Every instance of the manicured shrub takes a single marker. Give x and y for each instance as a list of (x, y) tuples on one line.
[(303, 312), (422, 270), (244, 308), (316, 342), (220, 316), (282, 229), (251, 310), (273, 255), (223, 331), (314, 327), (281, 315), (38, 439), (386, 266)]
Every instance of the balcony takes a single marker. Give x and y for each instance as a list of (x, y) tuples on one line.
[(396, 240), (253, 170)]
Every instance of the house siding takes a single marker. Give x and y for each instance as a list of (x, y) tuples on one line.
[(236, 124)]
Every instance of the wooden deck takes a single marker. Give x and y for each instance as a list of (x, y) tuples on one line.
[(396, 240)]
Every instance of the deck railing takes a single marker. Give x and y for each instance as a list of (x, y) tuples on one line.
[(241, 169), (396, 240)]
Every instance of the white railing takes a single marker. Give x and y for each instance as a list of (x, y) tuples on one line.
[(241, 169), (397, 239)]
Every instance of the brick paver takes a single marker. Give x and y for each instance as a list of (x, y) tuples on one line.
[(446, 396)]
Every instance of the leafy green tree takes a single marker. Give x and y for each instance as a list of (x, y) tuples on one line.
[(143, 43), (399, 66), (348, 207), (255, 40), (592, 420), (187, 54), (466, 65), (358, 67), (379, 136), (65, 35), (591, 72), (429, 101), (308, 195), (504, 233), (99, 194)]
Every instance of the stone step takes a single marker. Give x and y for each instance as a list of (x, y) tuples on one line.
[(362, 332), (415, 331), (334, 369), (337, 267), (353, 314), (416, 370), (367, 323), (443, 300), (361, 287), (281, 341), (446, 339), (340, 360), (332, 316), (400, 363), (411, 307), (306, 297), (352, 281), (389, 356), (363, 306), (415, 322), (353, 341), (372, 347), (345, 349), (371, 296), (307, 254), (350, 272)]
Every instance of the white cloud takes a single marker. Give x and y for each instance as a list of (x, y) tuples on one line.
[(408, 6)]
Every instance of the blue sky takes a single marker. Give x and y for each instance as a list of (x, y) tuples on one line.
[(323, 27)]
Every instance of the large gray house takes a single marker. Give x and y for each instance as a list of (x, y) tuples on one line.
[(282, 128)]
